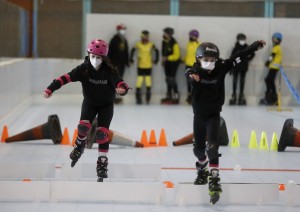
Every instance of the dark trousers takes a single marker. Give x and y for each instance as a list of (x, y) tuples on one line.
[(104, 114), (206, 129)]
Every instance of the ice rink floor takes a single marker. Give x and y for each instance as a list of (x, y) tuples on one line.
[(238, 165)]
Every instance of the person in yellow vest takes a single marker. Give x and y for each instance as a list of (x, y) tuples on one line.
[(145, 61), (190, 58), (273, 64), (170, 61)]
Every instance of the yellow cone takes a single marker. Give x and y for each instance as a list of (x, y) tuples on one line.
[(253, 141), (274, 144), (235, 139), (263, 144)]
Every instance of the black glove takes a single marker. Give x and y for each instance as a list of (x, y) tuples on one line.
[(267, 63)]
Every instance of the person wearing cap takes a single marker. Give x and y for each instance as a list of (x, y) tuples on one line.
[(240, 70), (119, 52), (273, 64), (100, 81), (170, 62), (145, 49), (189, 58)]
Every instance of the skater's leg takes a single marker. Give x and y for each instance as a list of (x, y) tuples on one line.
[(199, 150), (88, 113), (242, 100), (232, 101), (148, 80), (212, 150), (105, 115)]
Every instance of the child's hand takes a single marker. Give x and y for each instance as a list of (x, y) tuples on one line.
[(263, 43), (122, 88), (47, 93), (195, 77)]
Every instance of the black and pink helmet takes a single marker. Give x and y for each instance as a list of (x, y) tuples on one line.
[(98, 47)]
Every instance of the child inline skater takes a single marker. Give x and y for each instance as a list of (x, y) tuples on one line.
[(100, 81), (189, 58), (240, 70), (273, 64), (145, 50), (208, 95)]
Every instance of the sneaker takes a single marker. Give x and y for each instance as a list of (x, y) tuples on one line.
[(214, 186), (202, 174)]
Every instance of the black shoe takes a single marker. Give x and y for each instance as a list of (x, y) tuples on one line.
[(102, 168), (242, 100), (202, 174), (214, 186), (232, 101), (76, 153)]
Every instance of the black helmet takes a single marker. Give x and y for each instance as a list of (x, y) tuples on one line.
[(169, 30), (145, 33), (207, 49), (241, 36)]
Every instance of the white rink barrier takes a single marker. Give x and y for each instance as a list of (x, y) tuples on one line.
[(116, 171), (79, 191), (292, 195), (19, 171), (189, 194)]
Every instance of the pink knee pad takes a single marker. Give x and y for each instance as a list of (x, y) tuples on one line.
[(102, 135), (83, 128)]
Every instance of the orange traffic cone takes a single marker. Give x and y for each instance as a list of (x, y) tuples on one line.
[(65, 139), (162, 138), (144, 139), (152, 139), (4, 134), (74, 137)]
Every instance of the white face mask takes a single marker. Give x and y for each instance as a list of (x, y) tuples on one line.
[(95, 61), (208, 65), (122, 32), (242, 42)]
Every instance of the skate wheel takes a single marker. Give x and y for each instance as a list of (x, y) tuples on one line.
[(100, 180)]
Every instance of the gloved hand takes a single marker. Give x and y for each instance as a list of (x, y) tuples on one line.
[(47, 93), (122, 88)]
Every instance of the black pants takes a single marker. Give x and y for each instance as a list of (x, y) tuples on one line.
[(236, 75), (170, 71), (188, 82), (104, 114), (206, 129), (270, 81)]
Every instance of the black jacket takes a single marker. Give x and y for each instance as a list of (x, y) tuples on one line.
[(243, 65), (118, 50), (209, 93), (98, 86)]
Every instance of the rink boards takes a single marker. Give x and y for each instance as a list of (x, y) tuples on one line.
[(128, 183)]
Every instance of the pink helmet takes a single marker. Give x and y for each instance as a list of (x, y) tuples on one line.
[(98, 47)]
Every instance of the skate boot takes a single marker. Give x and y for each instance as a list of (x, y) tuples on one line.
[(214, 186), (102, 168), (167, 100), (242, 100), (138, 96), (202, 174), (76, 153), (148, 95), (175, 100), (232, 101)]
